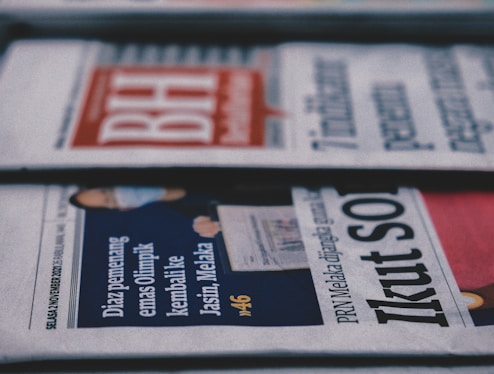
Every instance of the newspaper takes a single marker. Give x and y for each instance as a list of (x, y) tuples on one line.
[(258, 5), (128, 272), (442, 17), (78, 104)]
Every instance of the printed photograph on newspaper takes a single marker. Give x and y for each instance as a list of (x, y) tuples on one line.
[(160, 256)]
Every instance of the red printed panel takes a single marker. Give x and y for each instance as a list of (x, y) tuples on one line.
[(464, 222), (159, 106)]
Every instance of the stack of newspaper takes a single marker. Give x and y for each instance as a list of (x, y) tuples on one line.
[(246, 269)]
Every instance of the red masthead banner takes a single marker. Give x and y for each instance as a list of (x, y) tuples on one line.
[(162, 106)]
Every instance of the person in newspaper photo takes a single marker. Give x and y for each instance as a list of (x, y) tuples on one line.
[(273, 226), (132, 197), (193, 204), (181, 256)]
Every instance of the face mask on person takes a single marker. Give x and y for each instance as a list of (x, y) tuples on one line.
[(135, 196)]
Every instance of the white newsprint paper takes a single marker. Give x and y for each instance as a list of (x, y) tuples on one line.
[(70, 104), (86, 273), (407, 9)]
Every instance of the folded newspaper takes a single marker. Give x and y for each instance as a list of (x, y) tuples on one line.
[(71, 104), (256, 5), (162, 271), (461, 18)]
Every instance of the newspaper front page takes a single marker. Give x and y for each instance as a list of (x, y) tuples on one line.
[(391, 106), (160, 271)]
